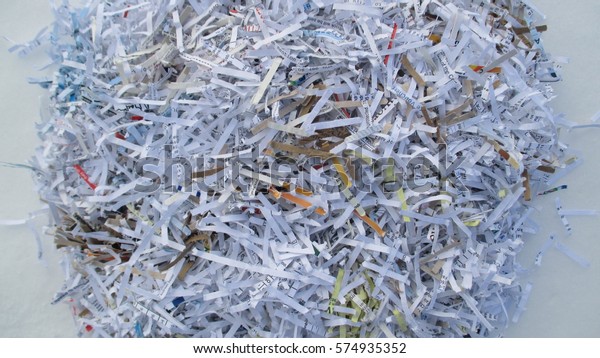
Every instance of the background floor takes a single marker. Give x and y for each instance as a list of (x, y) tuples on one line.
[(565, 297)]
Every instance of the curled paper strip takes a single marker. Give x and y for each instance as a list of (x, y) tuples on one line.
[(296, 169)]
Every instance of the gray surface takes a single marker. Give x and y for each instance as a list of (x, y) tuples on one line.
[(564, 301)]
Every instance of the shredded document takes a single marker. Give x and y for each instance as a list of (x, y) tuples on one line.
[(280, 168)]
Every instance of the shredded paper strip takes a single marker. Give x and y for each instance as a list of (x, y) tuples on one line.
[(286, 168)]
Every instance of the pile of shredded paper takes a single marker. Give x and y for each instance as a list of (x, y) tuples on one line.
[(285, 168)]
